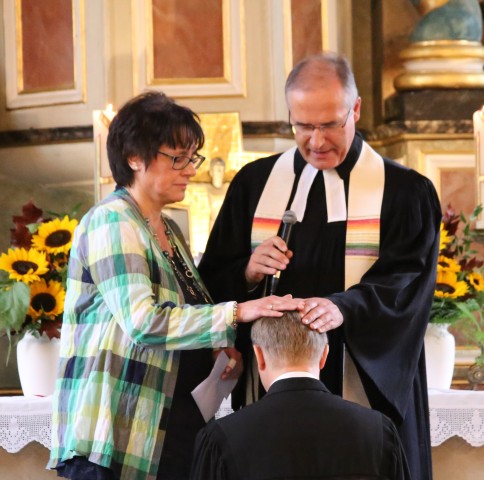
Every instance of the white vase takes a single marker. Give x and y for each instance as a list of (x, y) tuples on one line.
[(37, 360), (439, 355)]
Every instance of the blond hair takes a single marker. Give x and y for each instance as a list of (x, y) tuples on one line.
[(287, 341)]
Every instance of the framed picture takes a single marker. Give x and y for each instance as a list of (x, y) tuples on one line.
[(47, 72), (189, 49)]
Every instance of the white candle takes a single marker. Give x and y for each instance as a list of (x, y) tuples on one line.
[(100, 124), (478, 120)]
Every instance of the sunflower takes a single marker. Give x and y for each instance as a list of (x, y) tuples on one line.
[(55, 236), (446, 263), (448, 286), (24, 265), (46, 299), (476, 280), (445, 238)]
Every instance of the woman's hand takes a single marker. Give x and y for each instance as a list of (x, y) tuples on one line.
[(271, 306), (235, 367)]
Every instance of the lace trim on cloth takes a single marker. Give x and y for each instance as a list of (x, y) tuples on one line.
[(456, 413), (24, 420), (452, 413)]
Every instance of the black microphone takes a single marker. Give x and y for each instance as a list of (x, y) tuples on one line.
[(288, 220)]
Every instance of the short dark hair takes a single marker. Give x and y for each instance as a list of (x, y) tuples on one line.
[(313, 70), (142, 125)]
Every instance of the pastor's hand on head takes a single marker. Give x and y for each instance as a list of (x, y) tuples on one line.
[(321, 314), (269, 257)]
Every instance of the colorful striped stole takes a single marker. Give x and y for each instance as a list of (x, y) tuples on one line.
[(365, 197)]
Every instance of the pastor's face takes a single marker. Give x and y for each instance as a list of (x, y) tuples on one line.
[(323, 147)]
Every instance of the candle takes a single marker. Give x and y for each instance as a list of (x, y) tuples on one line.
[(478, 121), (100, 124)]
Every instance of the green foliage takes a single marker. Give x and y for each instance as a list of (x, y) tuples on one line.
[(14, 303), (451, 301)]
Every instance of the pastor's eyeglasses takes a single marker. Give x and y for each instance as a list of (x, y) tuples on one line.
[(179, 162), (307, 129)]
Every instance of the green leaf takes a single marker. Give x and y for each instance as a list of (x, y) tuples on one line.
[(14, 304)]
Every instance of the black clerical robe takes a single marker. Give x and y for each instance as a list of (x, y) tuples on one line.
[(300, 430), (385, 315)]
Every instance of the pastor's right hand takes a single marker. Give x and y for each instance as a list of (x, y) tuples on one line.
[(269, 257)]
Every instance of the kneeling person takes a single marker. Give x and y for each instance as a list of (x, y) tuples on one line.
[(298, 429)]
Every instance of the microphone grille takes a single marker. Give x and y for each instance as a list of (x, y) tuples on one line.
[(289, 217)]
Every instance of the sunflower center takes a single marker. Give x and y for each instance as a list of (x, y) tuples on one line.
[(58, 238), (23, 267), (43, 301), (445, 288)]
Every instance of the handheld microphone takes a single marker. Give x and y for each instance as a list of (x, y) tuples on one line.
[(288, 220)]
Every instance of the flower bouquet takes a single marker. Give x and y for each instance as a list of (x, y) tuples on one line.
[(459, 289), (33, 273)]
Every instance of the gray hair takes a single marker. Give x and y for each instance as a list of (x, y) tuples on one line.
[(313, 71), (287, 340)]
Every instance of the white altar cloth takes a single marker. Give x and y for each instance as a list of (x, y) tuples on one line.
[(24, 420), (453, 413), (456, 413)]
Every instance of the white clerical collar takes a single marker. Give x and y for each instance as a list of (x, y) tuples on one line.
[(296, 374)]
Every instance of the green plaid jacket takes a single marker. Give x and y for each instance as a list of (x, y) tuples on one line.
[(124, 324)]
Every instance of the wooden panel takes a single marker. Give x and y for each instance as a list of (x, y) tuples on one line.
[(47, 36), (188, 39), (189, 49), (458, 187), (306, 27)]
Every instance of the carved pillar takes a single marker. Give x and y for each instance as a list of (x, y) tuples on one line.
[(444, 77)]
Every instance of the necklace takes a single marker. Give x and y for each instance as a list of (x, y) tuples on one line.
[(185, 275)]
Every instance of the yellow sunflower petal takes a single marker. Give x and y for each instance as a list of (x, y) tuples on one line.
[(448, 286), (46, 299), (477, 281), (55, 236), (446, 263), (24, 265), (445, 238)]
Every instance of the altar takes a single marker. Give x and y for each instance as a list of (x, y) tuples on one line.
[(456, 424), (457, 434)]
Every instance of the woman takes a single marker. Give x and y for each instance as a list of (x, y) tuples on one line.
[(139, 328)]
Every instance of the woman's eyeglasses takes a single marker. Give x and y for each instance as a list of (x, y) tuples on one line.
[(179, 162)]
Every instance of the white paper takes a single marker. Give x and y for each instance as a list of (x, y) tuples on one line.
[(210, 393)]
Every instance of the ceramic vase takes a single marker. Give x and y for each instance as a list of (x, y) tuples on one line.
[(37, 360), (439, 355)]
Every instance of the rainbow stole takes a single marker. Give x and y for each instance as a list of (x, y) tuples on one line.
[(263, 228), (367, 181)]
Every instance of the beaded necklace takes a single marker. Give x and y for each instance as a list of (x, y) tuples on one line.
[(185, 275)]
